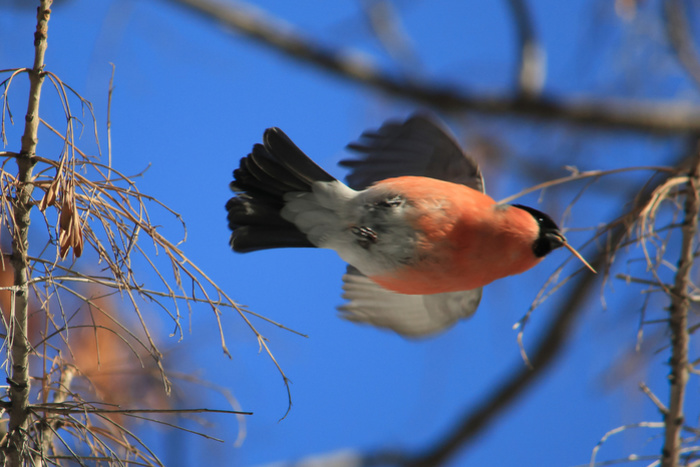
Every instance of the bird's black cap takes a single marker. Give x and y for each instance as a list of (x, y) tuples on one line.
[(550, 237)]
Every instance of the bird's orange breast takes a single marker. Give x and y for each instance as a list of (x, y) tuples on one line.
[(465, 240)]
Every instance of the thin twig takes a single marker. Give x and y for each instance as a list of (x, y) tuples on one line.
[(109, 122), (576, 175), (61, 394), (619, 430), (63, 409), (657, 402)]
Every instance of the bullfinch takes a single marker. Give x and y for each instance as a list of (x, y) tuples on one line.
[(413, 222)]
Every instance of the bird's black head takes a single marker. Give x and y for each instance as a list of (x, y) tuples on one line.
[(550, 237)]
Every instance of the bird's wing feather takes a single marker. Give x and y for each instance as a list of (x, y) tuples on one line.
[(420, 146), (408, 315)]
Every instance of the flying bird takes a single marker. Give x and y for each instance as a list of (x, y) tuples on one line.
[(413, 222)]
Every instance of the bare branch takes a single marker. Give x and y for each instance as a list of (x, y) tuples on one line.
[(657, 402), (678, 322), (21, 206)]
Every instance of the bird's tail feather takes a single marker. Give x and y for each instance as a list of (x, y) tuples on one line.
[(272, 169)]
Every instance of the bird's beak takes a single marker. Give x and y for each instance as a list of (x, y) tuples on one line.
[(575, 253)]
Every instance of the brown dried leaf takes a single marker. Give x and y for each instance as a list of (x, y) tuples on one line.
[(49, 198), (77, 237), (64, 221), (70, 233), (63, 243)]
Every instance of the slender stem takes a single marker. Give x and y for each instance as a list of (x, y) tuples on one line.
[(678, 323), (51, 423), (20, 347)]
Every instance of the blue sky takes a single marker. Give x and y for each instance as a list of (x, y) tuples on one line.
[(190, 99)]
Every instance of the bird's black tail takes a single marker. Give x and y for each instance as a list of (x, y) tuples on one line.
[(272, 169)]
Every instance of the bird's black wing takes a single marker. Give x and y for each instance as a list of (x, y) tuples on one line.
[(421, 146)]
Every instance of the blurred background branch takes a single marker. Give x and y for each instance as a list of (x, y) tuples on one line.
[(656, 118), (680, 38), (532, 61)]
